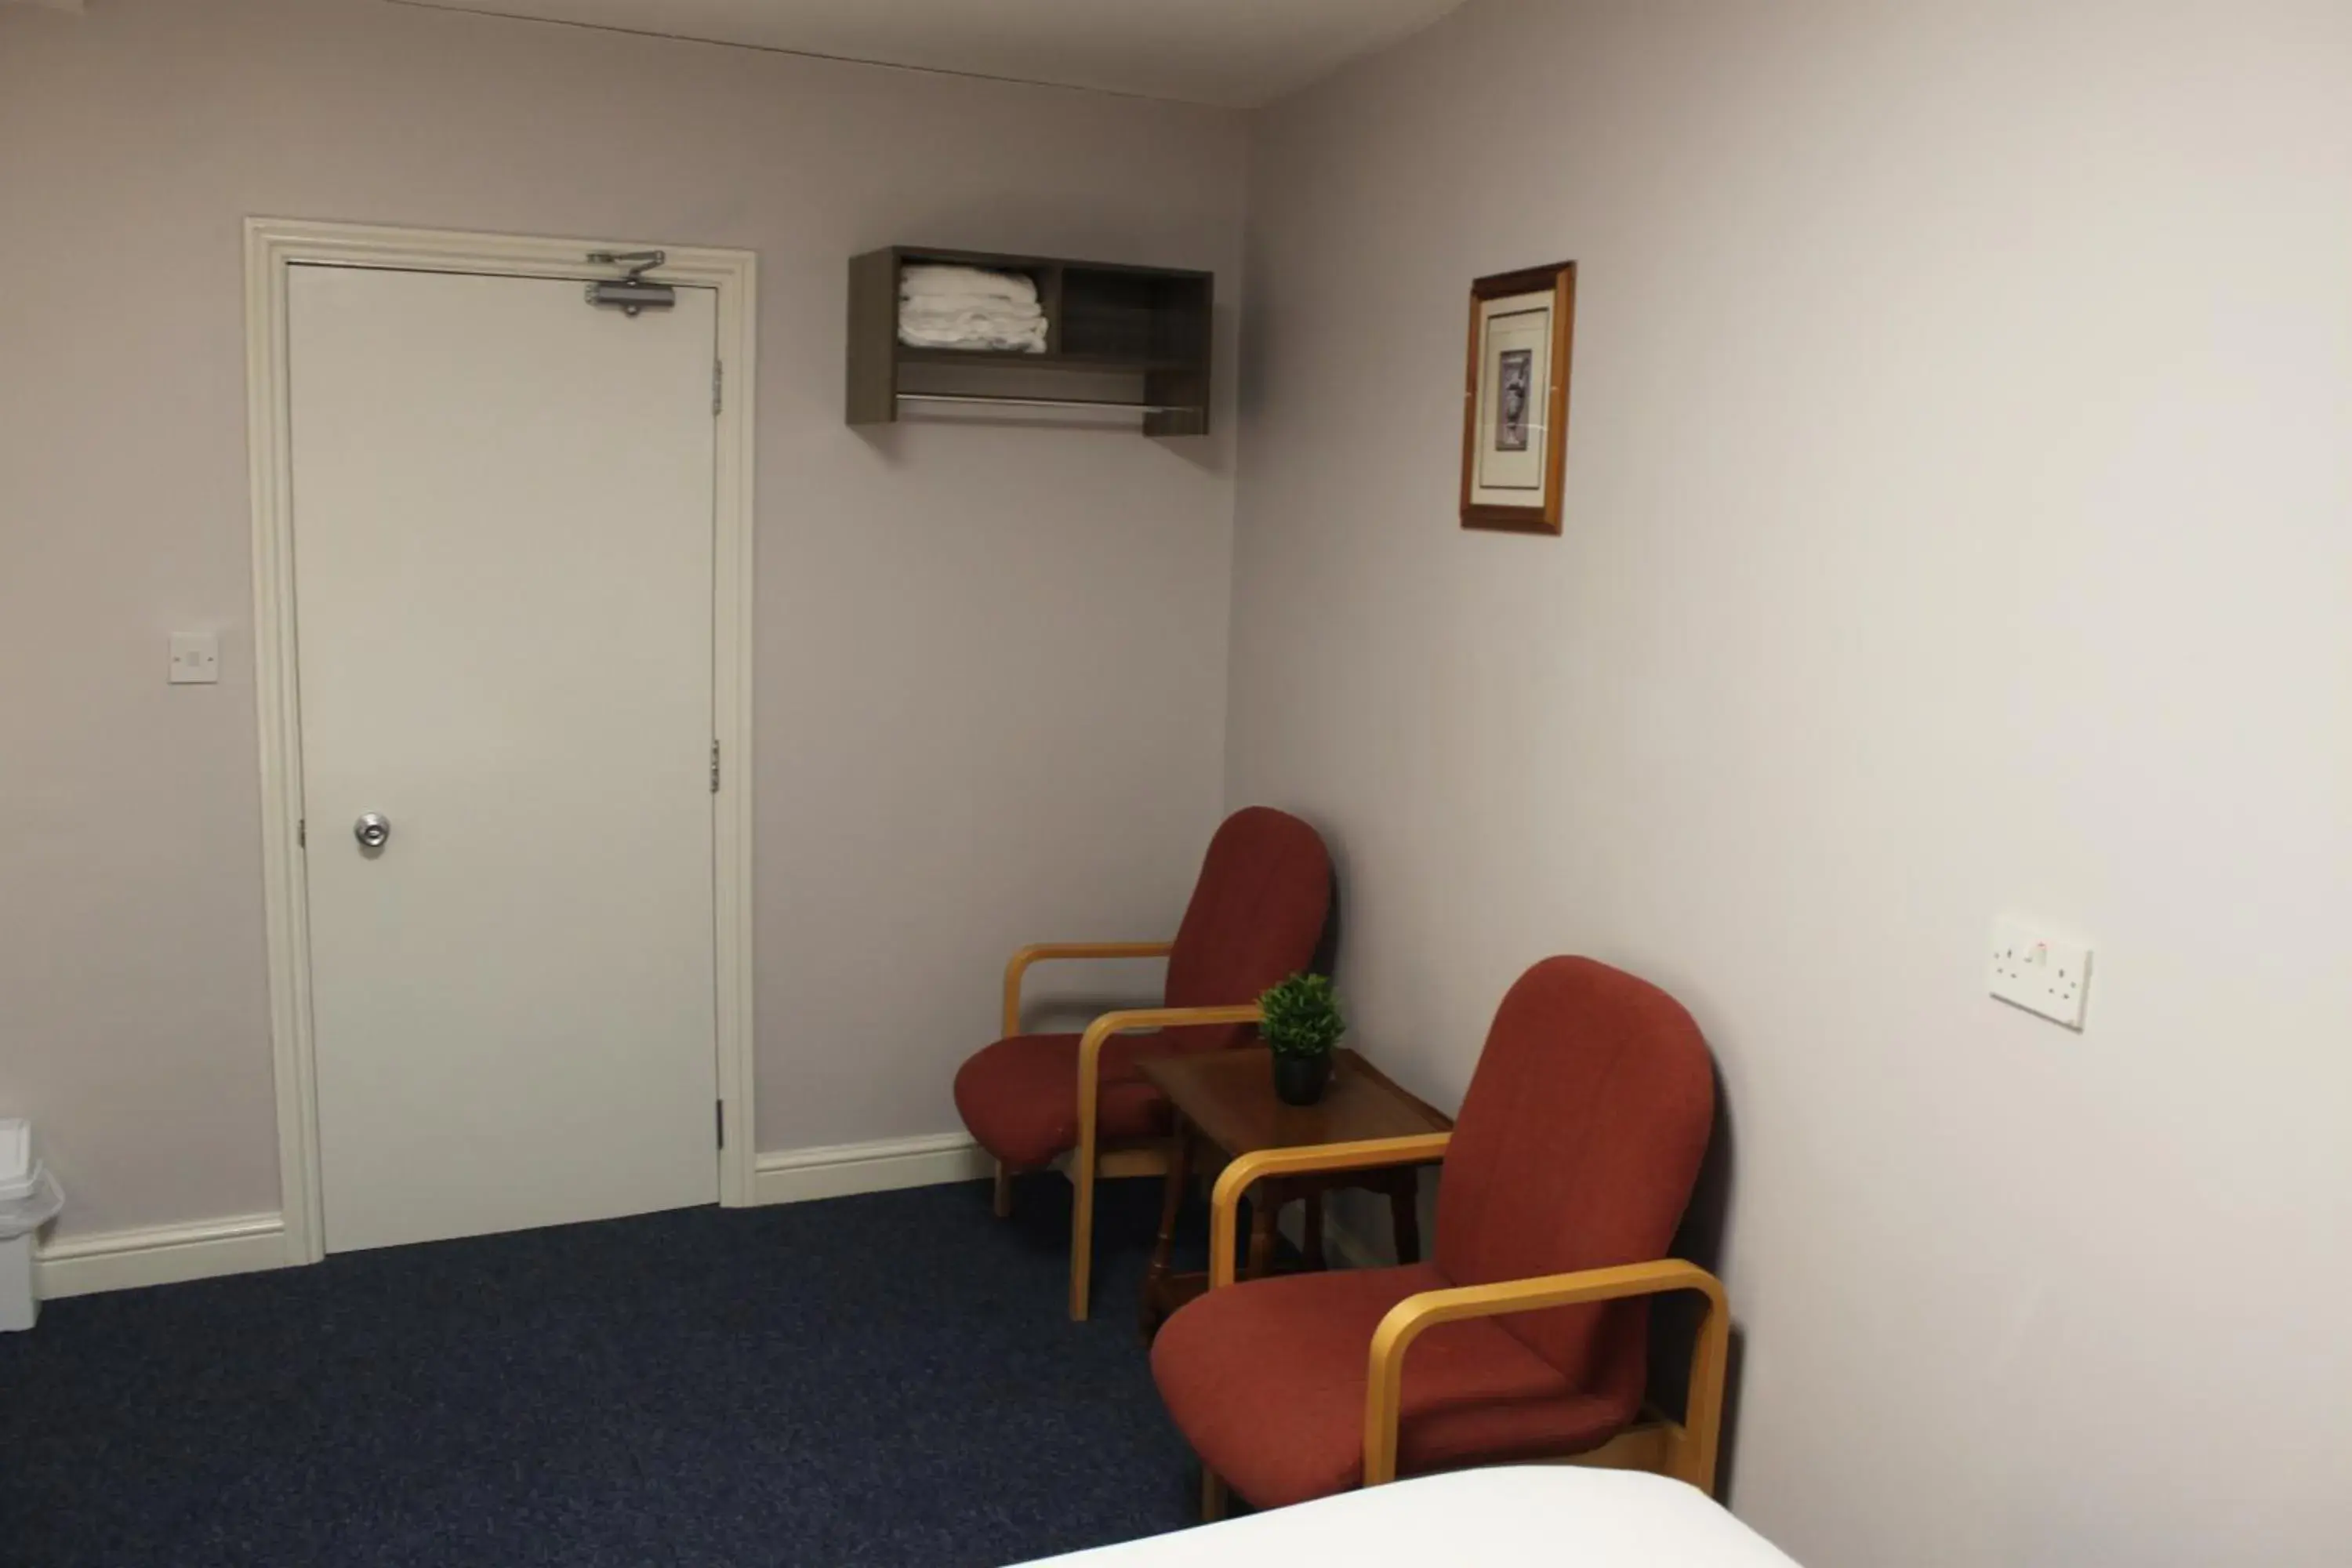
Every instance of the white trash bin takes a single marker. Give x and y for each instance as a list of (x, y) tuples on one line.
[(29, 1199)]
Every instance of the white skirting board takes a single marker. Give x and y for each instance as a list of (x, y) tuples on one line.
[(169, 1254), (159, 1255), (797, 1175)]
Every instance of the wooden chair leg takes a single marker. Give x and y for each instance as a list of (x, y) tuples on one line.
[(1213, 1496), (1004, 1202), (1082, 1231)]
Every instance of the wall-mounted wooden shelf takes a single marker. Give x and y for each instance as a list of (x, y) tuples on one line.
[(1116, 337)]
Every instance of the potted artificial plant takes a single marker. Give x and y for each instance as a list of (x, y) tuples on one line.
[(1302, 1024)]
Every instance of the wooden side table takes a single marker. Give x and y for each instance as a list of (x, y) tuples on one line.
[(1225, 1106)]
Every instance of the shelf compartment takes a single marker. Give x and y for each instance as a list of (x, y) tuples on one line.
[(1103, 319), (1129, 315)]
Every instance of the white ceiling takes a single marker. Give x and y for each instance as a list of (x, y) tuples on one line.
[(1240, 53)]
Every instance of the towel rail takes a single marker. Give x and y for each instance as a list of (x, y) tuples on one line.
[(1118, 404)]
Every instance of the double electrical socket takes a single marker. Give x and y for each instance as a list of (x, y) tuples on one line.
[(2043, 973)]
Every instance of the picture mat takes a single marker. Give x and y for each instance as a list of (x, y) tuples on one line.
[(1521, 321)]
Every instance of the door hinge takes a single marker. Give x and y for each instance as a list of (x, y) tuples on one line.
[(301, 833), (714, 767), (718, 385), (720, 1106)]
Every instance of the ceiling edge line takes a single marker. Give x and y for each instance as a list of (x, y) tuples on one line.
[(455, 10)]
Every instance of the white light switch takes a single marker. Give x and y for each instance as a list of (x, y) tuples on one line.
[(2039, 972), (195, 659)]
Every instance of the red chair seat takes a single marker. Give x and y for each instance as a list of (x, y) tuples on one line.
[(1267, 1382), (1020, 1096)]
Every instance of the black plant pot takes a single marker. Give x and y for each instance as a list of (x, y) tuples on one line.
[(1300, 1080)]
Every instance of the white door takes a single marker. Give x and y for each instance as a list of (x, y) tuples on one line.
[(502, 535)]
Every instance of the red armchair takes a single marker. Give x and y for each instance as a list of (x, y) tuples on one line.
[(1565, 1178), (1257, 915)]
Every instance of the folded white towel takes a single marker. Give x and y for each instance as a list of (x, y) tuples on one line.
[(966, 334), (948, 307), (917, 280), (967, 308), (975, 328)]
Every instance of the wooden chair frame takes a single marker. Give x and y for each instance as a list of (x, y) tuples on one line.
[(1684, 1449), (1091, 1159)]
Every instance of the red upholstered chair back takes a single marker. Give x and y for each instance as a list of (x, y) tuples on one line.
[(1576, 1148), (1256, 918)]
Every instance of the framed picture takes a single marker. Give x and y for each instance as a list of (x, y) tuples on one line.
[(1515, 405)]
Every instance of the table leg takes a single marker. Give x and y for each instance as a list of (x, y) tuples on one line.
[(1310, 1229), (1172, 1207), (1265, 1205), (1404, 1215)]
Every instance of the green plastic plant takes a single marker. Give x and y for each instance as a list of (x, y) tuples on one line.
[(1302, 1017)]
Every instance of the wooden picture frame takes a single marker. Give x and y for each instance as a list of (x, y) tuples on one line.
[(1514, 399)]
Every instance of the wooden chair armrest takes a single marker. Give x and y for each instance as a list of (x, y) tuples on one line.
[(1368, 1154), (1137, 1020), (1038, 952), (1084, 1159), (1694, 1454)]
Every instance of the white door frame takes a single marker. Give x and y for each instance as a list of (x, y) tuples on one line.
[(271, 247)]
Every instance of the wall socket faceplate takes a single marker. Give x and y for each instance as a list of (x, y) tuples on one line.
[(195, 659), (2043, 973)]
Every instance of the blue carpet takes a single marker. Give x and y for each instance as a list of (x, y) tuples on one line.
[(889, 1379)]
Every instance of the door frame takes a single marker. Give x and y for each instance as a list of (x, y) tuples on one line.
[(273, 245)]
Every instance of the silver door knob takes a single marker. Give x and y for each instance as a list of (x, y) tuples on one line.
[(372, 831)]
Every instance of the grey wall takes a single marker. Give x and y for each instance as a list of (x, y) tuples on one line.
[(992, 664), (1957, 522)]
